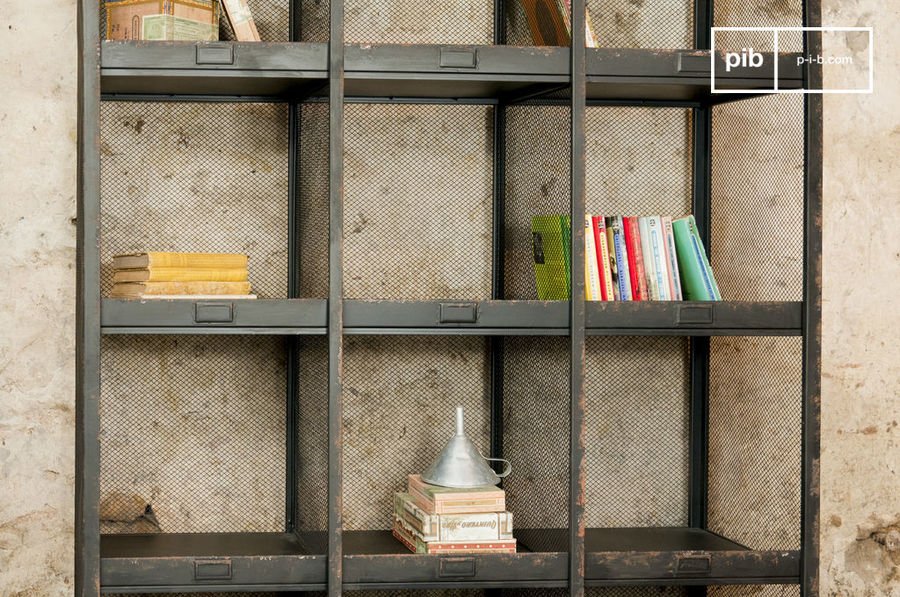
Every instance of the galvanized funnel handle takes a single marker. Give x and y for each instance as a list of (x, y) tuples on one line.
[(506, 469)]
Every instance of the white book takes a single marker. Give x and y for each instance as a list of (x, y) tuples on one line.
[(672, 258), (658, 248), (649, 269), (591, 270)]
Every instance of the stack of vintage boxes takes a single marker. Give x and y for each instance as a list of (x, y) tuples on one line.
[(443, 520)]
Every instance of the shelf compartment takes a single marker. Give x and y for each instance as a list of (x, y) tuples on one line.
[(375, 559), (460, 72), (454, 317), (679, 555), (693, 318), (209, 316), (213, 68), (165, 562), (677, 75)]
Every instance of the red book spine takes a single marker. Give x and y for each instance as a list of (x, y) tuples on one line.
[(599, 229), (635, 259)]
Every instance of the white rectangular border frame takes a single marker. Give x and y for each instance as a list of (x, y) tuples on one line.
[(775, 30)]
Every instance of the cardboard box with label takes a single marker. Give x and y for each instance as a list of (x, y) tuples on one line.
[(162, 20)]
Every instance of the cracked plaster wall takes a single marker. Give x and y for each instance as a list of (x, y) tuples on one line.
[(860, 380)]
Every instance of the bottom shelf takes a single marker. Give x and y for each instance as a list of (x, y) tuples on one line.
[(169, 561), (374, 559), (679, 555)]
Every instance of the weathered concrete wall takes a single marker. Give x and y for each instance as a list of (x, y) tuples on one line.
[(860, 552), (860, 424), (37, 296)]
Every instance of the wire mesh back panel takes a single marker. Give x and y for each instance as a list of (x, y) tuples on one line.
[(537, 182), (662, 24), (418, 22), (757, 199), (312, 434), (637, 392), (400, 398), (635, 591), (196, 177), (754, 591), (535, 409), (638, 161), (755, 413), (418, 202), (417, 593), (762, 13), (192, 426), (312, 215)]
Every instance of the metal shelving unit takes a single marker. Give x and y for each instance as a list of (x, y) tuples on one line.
[(328, 358)]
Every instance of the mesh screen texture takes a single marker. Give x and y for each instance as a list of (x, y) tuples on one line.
[(637, 392), (312, 434), (400, 397), (756, 239), (418, 202), (635, 591), (761, 13), (638, 161), (196, 177), (536, 183), (754, 591), (312, 215), (755, 413), (536, 430), (419, 22), (662, 24), (194, 426)]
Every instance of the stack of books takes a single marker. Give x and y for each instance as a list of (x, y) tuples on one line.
[(180, 275), (442, 520), (626, 258)]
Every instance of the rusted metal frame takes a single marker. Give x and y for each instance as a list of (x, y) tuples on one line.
[(335, 295), (292, 344), (703, 21), (577, 304), (497, 267), (812, 307), (87, 311), (700, 346)]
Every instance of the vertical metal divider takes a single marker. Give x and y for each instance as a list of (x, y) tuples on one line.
[(497, 276), (812, 307), (335, 295), (87, 310), (292, 343), (700, 346), (577, 307)]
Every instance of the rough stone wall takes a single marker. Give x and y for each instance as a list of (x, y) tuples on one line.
[(38, 44), (860, 534), (860, 387)]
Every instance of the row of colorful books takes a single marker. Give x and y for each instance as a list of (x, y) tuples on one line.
[(627, 258), (180, 275), (443, 520)]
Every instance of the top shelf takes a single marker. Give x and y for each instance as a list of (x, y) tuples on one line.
[(228, 70)]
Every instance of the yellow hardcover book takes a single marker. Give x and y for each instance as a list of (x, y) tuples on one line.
[(154, 259), (180, 274), (138, 289)]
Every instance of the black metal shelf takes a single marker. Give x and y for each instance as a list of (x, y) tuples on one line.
[(308, 316), (256, 316), (488, 318), (379, 72), (375, 559), (213, 69), (171, 561), (680, 555)]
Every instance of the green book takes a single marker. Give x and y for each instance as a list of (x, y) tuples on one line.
[(709, 279), (695, 280), (551, 240)]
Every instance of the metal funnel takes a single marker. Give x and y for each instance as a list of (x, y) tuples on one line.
[(461, 465)]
